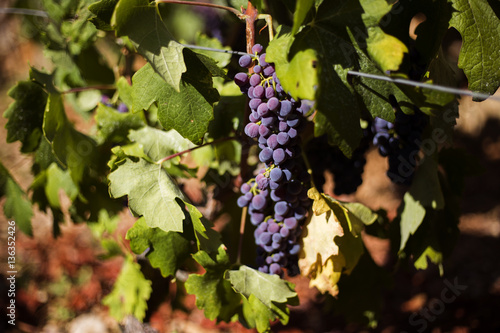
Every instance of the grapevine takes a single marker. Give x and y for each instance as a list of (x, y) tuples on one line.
[(277, 197), (188, 119)]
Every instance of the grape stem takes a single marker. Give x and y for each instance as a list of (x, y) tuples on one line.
[(237, 138), (205, 4), (242, 233)]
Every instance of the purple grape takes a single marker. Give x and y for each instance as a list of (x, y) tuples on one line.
[(254, 80), (282, 138), (290, 222), (273, 103), (262, 110), (242, 202), (252, 130), (286, 107), (266, 155), (274, 268), (276, 174), (254, 103), (122, 108), (283, 126), (245, 188), (265, 238), (245, 61), (281, 208), (292, 133), (269, 93), (241, 79), (257, 69), (257, 49), (259, 202), (268, 71), (273, 227), (279, 156), (272, 142), (262, 60), (284, 232), (258, 92), (264, 131)]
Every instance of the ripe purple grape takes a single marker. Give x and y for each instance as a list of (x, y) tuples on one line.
[(279, 156)]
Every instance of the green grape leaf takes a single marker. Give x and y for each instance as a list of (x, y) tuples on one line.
[(385, 50), (158, 144), (320, 56), (58, 179), (435, 256), (298, 74), (103, 11), (114, 126), (17, 205), (362, 292), (130, 292), (412, 215), (222, 59), (425, 194), (72, 148), (267, 288), (361, 212), (257, 314), (152, 193), (188, 111), (167, 250), (140, 21), (25, 115), (238, 4), (479, 56), (207, 239), (213, 293), (125, 91), (302, 7), (426, 186)]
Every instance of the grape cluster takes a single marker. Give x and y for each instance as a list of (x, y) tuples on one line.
[(400, 142), (347, 172), (122, 107), (277, 197)]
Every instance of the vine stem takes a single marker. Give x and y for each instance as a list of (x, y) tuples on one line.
[(204, 4), (242, 233), (78, 89), (194, 148), (251, 15)]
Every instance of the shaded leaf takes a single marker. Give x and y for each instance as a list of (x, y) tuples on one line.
[(480, 53), (113, 126), (17, 205), (188, 111), (213, 293), (266, 287), (141, 22), (302, 7), (25, 115), (167, 250)]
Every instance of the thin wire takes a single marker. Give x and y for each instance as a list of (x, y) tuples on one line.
[(217, 50), (24, 11), (426, 85)]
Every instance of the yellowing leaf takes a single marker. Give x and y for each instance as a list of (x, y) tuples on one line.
[(387, 50), (331, 243)]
